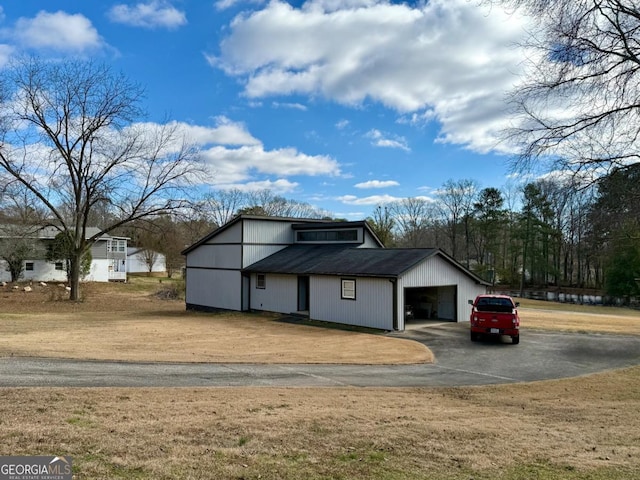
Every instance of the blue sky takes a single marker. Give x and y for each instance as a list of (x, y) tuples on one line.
[(343, 104)]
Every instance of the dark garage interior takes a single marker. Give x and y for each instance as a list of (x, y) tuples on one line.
[(430, 303)]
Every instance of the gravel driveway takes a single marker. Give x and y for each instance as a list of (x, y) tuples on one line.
[(541, 355)]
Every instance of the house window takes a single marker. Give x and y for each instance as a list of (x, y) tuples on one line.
[(348, 289), (28, 266), (116, 245), (261, 280), (59, 266)]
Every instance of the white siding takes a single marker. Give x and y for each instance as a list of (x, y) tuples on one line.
[(373, 306), (215, 256), (232, 234), (99, 271), (263, 238), (214, 288), (254, 253), (279, 295), (44, 271), (432, 272), (369, 242), (267, 231), (137, 264)]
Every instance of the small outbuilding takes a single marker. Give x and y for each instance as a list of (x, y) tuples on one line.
[(324, 270)]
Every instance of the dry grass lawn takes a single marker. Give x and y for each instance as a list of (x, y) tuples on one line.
[(575, 429), (126, 322), (579, 318), (586, 428)]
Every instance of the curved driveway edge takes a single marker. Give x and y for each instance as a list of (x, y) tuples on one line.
[(541, 355)]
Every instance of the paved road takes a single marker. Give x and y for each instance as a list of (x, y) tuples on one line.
[(539, 356)]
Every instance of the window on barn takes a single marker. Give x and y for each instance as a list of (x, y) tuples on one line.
[(59, 266), (261, 280), (348, 289), (328, 236), (28, 266)]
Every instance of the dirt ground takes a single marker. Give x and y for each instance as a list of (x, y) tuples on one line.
[(127, 322)]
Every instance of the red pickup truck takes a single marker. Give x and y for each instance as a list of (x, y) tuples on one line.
[(494, 315)]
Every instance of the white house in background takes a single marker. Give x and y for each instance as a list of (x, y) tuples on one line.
[(108, 263), (330, 271), (136, 261)]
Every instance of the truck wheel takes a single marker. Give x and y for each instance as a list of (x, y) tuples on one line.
[(474, 337), (515, 340)]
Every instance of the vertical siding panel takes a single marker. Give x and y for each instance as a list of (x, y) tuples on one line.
[(214, 288), (215, 256), (371, 308), (267, 231), (254, 253), (279, 295), (232, 234), (369, 242)]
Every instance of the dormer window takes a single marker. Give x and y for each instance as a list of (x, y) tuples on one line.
[(347, 235)]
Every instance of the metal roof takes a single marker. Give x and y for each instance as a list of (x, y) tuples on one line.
[(341, 260)]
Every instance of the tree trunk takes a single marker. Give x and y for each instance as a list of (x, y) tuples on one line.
[(74, 277)]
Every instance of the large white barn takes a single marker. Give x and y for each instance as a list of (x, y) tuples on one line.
[(330, 271)]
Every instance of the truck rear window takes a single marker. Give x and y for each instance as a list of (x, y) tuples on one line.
[(501, 305)]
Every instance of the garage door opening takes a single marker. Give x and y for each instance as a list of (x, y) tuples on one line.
[(431, 303)]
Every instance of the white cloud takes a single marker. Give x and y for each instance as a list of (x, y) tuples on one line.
[(58, 31), (154, 14), (225, 132), (371, 200), (383, 140), (293, 106), (448, 60), (6, 51), (342, 124), (279, 186), (235, 156), (377, 184), (242, 164)]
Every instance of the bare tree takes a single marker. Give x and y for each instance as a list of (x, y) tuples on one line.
[(413, 218), (456, 202), (579, 106), (220, 206), (265, 202), (68, 136), (149, 257), (382, 223), (149, 242)]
